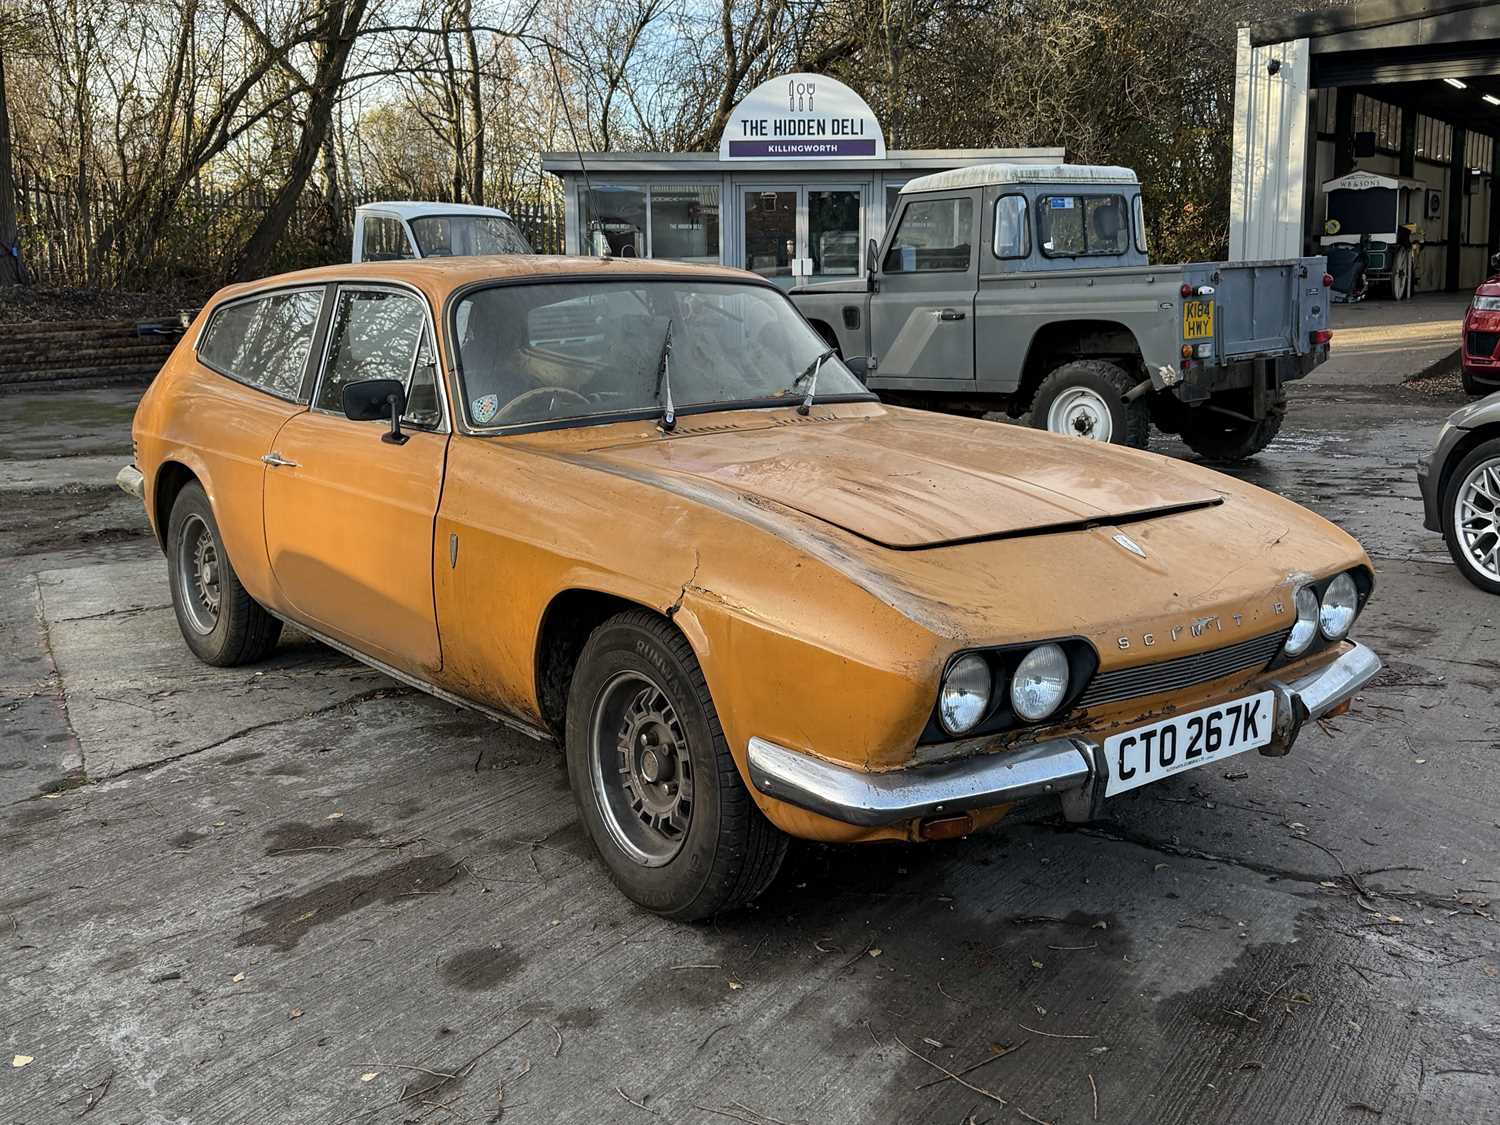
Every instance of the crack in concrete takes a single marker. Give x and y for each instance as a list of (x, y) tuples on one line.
[(353, 700)]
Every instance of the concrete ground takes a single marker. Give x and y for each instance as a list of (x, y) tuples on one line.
[(301, 892), (1380, 341)]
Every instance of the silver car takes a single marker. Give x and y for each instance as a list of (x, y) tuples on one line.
[(1460, 485)]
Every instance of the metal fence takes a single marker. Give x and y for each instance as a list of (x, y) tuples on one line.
[(62, 220)]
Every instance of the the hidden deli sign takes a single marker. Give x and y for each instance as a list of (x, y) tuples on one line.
[(802, 117)]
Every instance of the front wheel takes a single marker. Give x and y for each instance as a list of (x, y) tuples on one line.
[(1086, 398), (1401, 272), (1471, 516), (659, 793), (1217, 437)]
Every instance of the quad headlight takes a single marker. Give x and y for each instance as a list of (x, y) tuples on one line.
[(965, 695), (1305, 631), (1040, 682), (1340, 605)]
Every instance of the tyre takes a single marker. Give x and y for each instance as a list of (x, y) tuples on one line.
[(1086, 398), (1471, 516), (655, 783), (1401, 274), (1471, 385), (1219, 438), (221, 623)]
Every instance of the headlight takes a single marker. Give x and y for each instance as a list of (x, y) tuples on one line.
[(1306, 628), (1487, 304), (965, 695), (1040, 682), (1340, 604)]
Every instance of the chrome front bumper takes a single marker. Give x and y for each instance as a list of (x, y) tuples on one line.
[(1074, 769)]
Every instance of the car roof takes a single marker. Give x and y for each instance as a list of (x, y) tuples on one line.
[(415, 209), (440, 276), (986, 175)]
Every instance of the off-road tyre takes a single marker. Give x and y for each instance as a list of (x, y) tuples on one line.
[(1130, 422), (729, 853), (1488, 451), (242, 632), (1215, 437)]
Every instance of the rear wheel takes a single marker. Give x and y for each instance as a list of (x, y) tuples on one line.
[(1471, 516), (1220, 438), (1401, 274), (1086, 398), (220, 621), (658, 790)]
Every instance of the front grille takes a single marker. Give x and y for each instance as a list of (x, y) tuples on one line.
[(1483, 343), (1182, 672)]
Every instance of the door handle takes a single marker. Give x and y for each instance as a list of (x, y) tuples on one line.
[(275, 460), (951, 314)]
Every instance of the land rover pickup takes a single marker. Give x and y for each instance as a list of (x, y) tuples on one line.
[(1026, 290)]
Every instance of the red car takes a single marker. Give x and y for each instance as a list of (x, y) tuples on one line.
[(1481, 365)]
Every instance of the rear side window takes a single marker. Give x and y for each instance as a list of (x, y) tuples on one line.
[(1140, 223), (1083, 226), (264, 341), (385, 240), (376, 334), (935, 235), (1012, 232)]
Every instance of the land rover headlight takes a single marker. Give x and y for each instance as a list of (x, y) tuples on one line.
[(1340, 604), (1306, 628), (1040, 682), (965, 695)]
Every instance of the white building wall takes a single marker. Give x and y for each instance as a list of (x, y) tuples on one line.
[(1270, 150)]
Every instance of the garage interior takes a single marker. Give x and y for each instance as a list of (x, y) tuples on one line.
[(1405, 88)]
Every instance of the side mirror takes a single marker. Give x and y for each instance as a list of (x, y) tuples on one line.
[(370, 400), (859, 366), (872, 258)]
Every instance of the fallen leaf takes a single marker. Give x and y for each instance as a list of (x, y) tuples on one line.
[(876, 952), (735, 985), (931, 1042), (1036, 964), (1394, 918), (20, 1060), (333, 816), (1100, 926), (1157, 866), (1327, 883), (369, 1076), (237, 978), (296, 1014)]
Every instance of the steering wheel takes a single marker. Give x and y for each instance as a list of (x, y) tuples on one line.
[(515, 404)]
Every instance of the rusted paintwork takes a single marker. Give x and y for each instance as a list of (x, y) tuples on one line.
[(823, 568)]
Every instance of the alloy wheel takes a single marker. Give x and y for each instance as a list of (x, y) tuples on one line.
[(1476, 518), (642, 769)]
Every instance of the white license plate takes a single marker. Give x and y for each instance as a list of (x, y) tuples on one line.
[(1183, 742)]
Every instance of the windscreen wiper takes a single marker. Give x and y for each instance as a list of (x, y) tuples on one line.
[(810, 373), (668, 421)]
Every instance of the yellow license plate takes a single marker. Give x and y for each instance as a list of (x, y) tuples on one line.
[(1197, 320)]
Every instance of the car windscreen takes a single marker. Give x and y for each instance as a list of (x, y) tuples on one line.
[(591, 350), (460, 236)]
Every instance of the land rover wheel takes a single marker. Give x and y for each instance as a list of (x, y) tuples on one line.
[(220, 621), (658, 790), (1086, 398), (1218, 437), (1471, 516)]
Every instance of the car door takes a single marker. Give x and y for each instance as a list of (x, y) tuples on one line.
[(258, 355), (921, 319), (348, 515)]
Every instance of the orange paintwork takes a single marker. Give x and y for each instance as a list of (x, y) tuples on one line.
[(795, 553)]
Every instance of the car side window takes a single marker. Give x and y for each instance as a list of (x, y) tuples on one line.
[(1012, 231), (385, 240), (424, 407), (935, 235), (375, 335), (264, 341), (1080, 226), (1139, 210)]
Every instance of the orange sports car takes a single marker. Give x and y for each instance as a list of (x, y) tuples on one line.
[(641, 509)]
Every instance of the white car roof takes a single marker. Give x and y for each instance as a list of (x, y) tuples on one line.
[(409, 209), (986, 175)]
